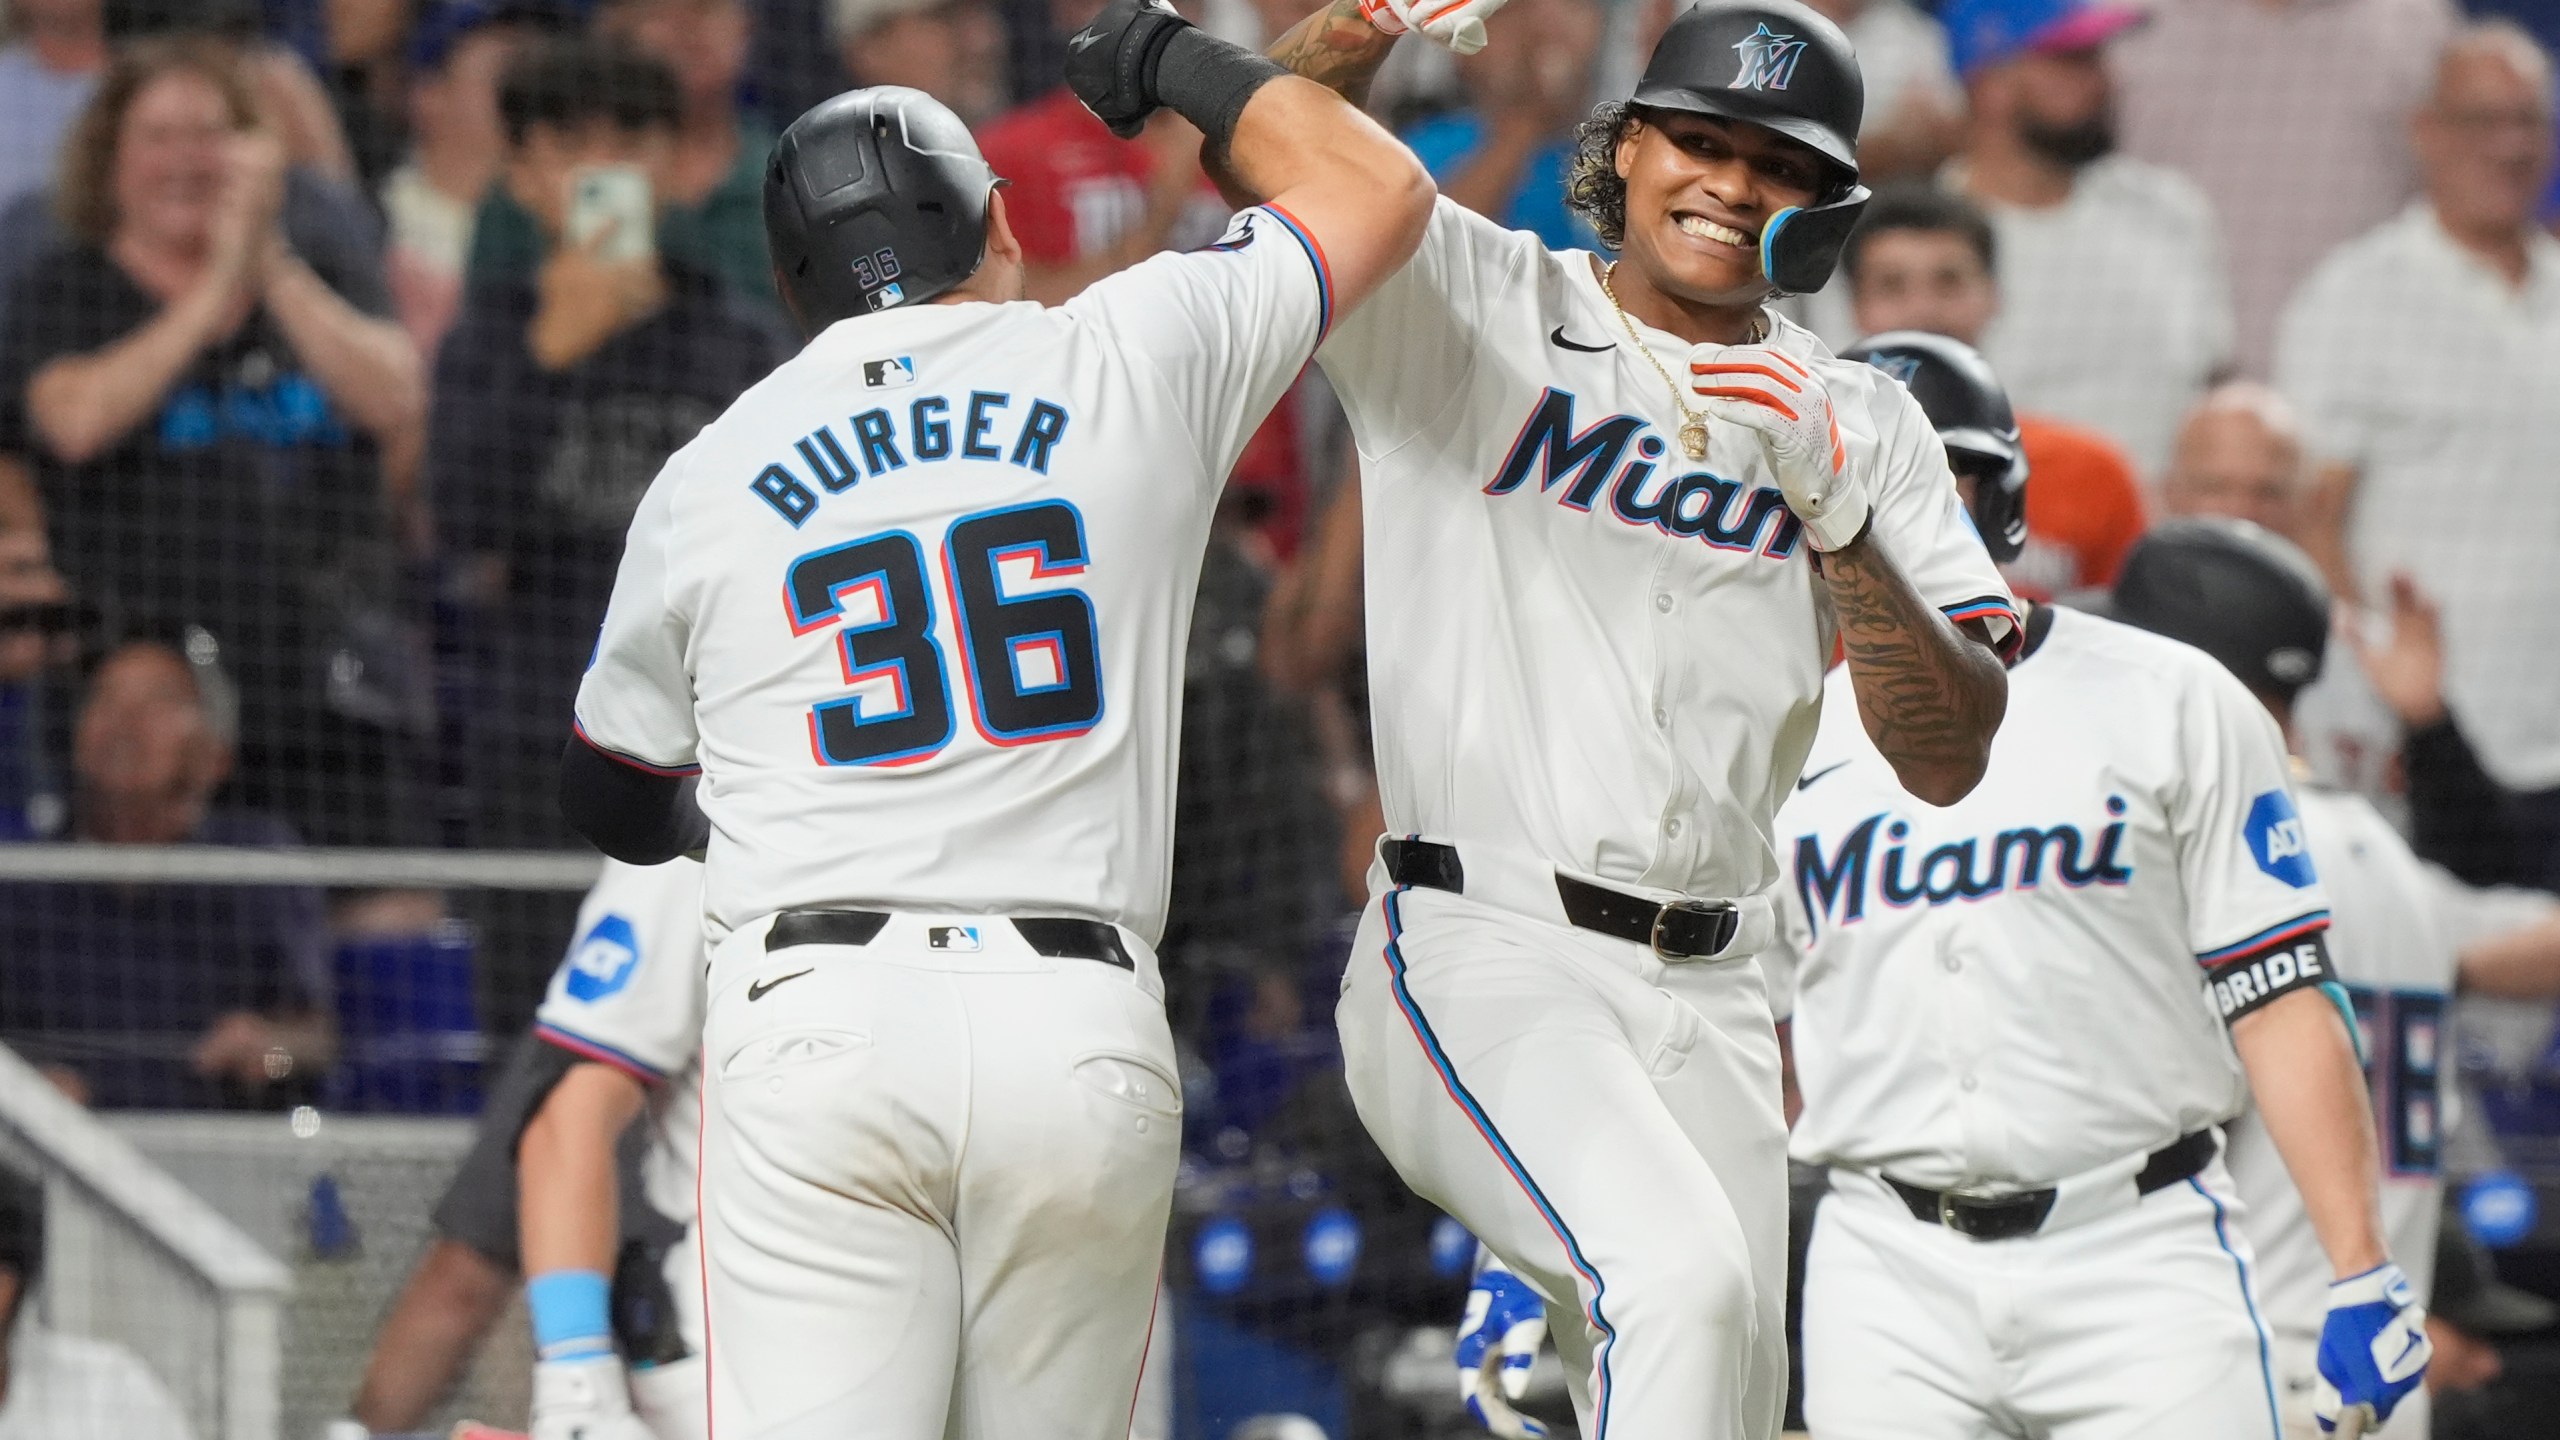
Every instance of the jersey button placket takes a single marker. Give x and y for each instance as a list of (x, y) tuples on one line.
[(1674, 858)]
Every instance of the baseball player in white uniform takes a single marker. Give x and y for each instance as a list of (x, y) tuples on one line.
[(2249, 600), (2018, 1019), (1616, 515), (627, 1001), (915, 608)]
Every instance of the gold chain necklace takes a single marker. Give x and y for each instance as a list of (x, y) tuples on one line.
[(1693, 423)]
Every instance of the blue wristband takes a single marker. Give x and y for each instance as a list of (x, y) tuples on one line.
[(572, 1313)]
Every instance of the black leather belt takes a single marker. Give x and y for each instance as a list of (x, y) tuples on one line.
[(1057, 937), (1676, 930), (2007, 1217)]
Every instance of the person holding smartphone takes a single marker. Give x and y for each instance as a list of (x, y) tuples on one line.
[(557, 395)]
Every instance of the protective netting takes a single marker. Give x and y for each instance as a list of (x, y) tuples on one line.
[(339, 341)]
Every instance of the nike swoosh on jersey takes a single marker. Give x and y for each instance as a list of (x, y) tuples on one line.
[(757, 989), (1561, 343), (1818, 774)]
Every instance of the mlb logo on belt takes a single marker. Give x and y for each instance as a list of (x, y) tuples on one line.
[(889, 374), (952, 937)]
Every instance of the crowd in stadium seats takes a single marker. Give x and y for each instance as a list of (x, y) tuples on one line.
[(330, 376)]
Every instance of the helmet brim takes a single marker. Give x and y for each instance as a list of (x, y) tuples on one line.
[(1743, 106)]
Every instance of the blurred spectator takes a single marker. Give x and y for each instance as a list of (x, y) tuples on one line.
[(1505, 155), (2115, 312), (952, 50), (2425, 357), (432, 200), (2293, 115), (164, 995), (326, 220), (204, 413), (710, 185), (1924, 259), (557, 398), (1915, 107), (2240, 454), (291, 100), (1085, 203), (64, 1387), (56, 49)]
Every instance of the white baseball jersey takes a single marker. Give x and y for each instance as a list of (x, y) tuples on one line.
[(1582, 645), (915, 605), (2023, 986), (2397, 966), (629, 994)]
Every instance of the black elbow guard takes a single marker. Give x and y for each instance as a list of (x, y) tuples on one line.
[(1138, 55), (628, 813)]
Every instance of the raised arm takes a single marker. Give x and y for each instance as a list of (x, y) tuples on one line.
[(1278, 138), (1337, 48), (1930, 691)]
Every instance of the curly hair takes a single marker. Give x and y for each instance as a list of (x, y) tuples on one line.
[(1593, 188)]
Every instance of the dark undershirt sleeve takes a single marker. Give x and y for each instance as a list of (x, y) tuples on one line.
[(626, 812)]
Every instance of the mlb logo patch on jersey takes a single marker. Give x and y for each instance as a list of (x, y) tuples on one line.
[(2274, 833), (896, 372), (952, 937), (604, 959)]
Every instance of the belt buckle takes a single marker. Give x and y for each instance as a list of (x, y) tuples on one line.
[(1722, 909)]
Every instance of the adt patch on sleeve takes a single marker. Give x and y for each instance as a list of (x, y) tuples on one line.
[(2274, 833), (2243, 984), (604, 959)]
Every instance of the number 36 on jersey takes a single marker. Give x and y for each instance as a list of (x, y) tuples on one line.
[(1028, 651)]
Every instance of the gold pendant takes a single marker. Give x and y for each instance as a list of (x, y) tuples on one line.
[(1693, 438)]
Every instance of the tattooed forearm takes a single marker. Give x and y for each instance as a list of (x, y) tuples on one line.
[(1335, 48), (1931, 695)]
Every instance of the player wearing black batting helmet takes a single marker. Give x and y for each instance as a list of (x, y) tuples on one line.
[(874, 199), (1771, 63), (2239, 592), (1970, 411)]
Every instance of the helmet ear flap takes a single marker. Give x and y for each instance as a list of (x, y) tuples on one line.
[(1800, 246)]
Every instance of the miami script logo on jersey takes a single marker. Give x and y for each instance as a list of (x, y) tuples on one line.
[(1835, 888), (1768, 60), (1698, 505)]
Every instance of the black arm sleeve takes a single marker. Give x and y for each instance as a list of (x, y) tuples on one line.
[(2457, 814), (626, 812)]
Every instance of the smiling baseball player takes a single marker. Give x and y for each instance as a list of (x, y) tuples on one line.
[(915, 607), (1616, 514), (2251, 600), (2019, 1018), (627, 1002)]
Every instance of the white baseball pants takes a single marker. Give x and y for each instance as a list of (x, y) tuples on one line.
[(2137, 1324), (1609, 1125), (934, 1185)]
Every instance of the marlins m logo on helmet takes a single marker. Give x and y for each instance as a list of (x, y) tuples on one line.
[(1768, 60)]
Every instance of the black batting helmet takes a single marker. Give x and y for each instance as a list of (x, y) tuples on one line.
[(2239, 592), (1781, 65), (1964, 402), (874, 199)]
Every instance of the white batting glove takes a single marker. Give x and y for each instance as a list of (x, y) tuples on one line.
[(1497, 1342), (1770, 392), (1458, 24), (2373, 1350), (584, 1399)]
